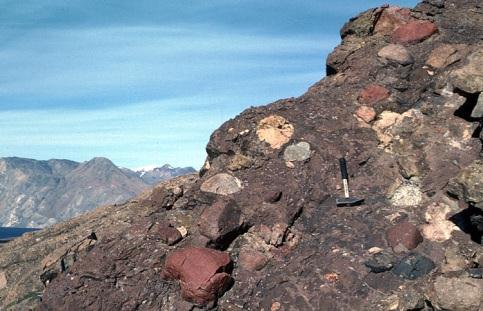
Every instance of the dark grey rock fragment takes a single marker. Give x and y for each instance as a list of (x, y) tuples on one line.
[(476, 273), (380, 262), (413, 266)]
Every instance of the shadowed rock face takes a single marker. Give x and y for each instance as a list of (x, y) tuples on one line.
[(275, 216)]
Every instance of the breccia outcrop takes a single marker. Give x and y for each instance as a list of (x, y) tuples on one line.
[(411, 154)]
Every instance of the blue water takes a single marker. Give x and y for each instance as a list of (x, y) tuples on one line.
[(7, 233)]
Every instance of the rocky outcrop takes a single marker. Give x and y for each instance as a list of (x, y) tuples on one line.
[(33, 261), (265, 199)]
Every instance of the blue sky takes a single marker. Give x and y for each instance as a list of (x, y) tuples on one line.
[(146, 82)]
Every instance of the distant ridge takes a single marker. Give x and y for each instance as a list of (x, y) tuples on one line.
[(152, 174), (37, 193)]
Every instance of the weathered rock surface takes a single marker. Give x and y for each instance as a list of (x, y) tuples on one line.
[(380, 262), (439, 228), (168, 233), (275, 130), (223, 184), (297, 152), (405, 234), (367, 114), (445, 55), (391, 18), (202, 273), (36, 259), (459, 294), (469, 78), (291, 247), (478, 110), (372, 94), (397, 53), (414, 32), (220, 222), (468, 185), (413, 266)]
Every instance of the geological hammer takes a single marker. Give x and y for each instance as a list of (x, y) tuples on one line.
[(346, 200)]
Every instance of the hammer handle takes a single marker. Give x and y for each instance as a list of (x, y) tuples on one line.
[(343, 168)]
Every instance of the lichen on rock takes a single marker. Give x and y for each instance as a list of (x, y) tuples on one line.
[(408, 194)]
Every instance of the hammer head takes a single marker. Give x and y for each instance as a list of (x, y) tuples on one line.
[(348, 201)]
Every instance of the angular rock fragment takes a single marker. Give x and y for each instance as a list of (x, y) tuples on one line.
[(478, 110), (413, 266), (238, 162), (476, 273), (297, 152), (469, 78), (222, 183), (396, 53), (438, 227), (410, 166), (453, 260), (412, 300), (275, 130), (220, 221), (203, 273), (414, 32), (367, 114), (373, 94), (443, 56), (362, 25), (458, 294), (277, 234), (392, 18), (383, 125), (380, 262), (405, 234), (338, 57), (468, 185), (252, 260), (169, 234)]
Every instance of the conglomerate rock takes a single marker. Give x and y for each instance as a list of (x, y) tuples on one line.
[(292, 248)]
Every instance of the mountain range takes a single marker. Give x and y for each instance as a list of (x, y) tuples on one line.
[(40, 193)]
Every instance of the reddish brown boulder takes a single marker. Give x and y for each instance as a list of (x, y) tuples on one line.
[(405, 234), (392, 18), (219, 221), (372, 94), (203, 273), (414, 32)]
